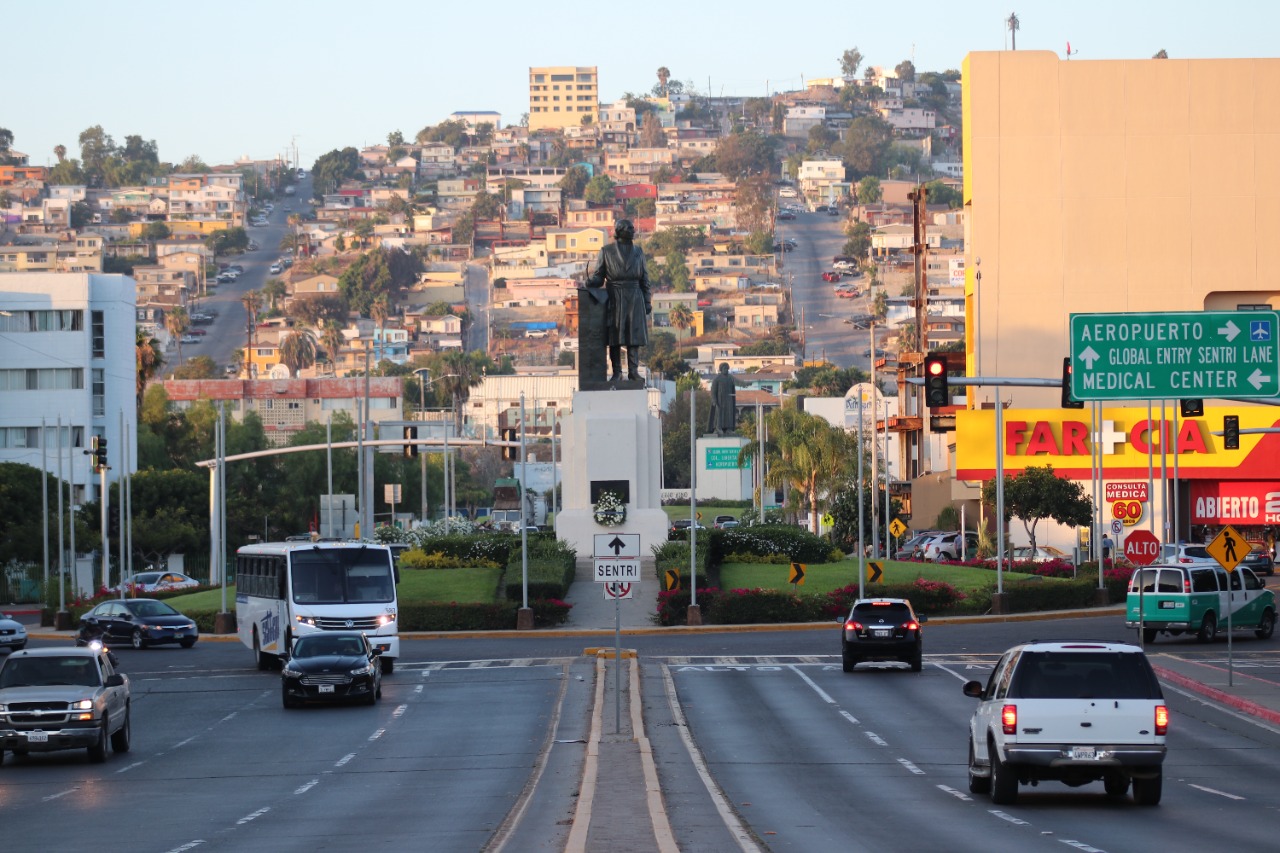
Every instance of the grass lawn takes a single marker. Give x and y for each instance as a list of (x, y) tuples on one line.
[(417, 586), (709, 513), (828, 576)]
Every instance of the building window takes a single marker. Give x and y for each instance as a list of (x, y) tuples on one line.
[(99, 392), (99, 335)]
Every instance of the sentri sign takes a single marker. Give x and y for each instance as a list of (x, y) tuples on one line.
[(1175, 355), (1061, 438)]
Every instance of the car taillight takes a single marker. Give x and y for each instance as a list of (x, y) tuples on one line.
[(911, 626), (1162, 719), (1009, 719), (1186, 585), (853, 626)]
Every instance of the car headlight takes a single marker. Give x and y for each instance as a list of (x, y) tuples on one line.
[(367, 669), (82, 705), (289, 672), (386, 618), (305, 620)]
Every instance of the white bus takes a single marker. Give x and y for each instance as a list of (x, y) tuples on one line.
[(287, 589)]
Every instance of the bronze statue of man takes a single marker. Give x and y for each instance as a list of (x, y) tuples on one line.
[(724, 403), (620, 269)]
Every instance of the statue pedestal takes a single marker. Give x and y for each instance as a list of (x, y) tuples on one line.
[(612, 441), (718, 473)]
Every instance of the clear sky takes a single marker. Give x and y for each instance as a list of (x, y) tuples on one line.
[(254, 77)]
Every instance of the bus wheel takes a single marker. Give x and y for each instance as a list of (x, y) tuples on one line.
[(264, 660)]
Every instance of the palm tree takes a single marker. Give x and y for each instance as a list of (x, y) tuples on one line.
[(461, 372), (663, 76), (149, 360), (251, 302), (682, 317), (331, 337), (298, 351), (273, 290), (237, 360), (378, 312), (1014, 25), (176, 323), (60, 151)]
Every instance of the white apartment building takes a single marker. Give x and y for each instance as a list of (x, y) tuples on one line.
[(67, 351)]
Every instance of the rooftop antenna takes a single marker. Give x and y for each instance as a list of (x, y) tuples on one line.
[(1070, 52)]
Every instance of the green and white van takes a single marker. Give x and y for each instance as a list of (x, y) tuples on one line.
[(1194, 599)]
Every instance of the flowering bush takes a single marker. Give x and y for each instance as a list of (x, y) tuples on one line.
[(926, 596), (416, 558), (610, 511)]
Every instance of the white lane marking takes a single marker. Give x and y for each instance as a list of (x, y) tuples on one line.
[(850, 717), (379, 733), (956, 674), (228, 717), (184, 743), (130, 766), (302, 789), (59, 794), (910, 766), (344, 759), (1215, 791), (1008, 817), (188, 846), (399, 711), (418, 689), (1208, 703), (1080, 845), (731, 820), (259, 813), (816, 689), (959, 795), (876, 739)]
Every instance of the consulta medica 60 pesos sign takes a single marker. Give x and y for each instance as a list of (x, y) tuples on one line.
[(1061, 438)]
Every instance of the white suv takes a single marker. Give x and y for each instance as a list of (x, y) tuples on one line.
[(1071, 712)]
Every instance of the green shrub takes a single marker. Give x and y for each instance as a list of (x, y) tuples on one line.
[(798, 545), (552, 566), (494, 547), (752, 606), (927, 597), (675, 555), (457, 617), (673, 605), (1034, 596), (416, 558)]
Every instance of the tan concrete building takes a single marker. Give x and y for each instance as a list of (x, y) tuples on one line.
[(1111, 186), (560, 96)]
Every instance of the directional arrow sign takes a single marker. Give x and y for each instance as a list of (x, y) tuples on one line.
[(1175, 355), (875, 572), (797, 573), (618, 545), (672, 578)]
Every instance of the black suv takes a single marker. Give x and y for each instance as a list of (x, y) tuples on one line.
[(881, 629), (1259, 559)]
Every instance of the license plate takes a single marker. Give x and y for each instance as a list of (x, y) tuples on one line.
[(1084, 753), (326, 688), (884, 633), (1168, 605), (37, 737)]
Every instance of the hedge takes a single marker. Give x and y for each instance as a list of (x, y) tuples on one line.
[(552, 566), (500, 616), (493, 547), (675, 555), (798, 545)]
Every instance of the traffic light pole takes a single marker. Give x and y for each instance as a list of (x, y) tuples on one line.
[(102, 525)]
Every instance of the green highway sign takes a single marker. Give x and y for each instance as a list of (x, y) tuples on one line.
[(1172, 355), (723, 457)]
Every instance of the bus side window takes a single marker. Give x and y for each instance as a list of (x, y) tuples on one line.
[(278, 569)]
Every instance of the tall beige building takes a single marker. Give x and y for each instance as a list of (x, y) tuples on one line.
[(560, 96), (1111, 186)]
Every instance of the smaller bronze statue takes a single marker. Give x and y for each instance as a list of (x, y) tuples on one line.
[(621, 271), (724, 400)]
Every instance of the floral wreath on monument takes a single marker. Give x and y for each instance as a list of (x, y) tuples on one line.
[(609, 510)]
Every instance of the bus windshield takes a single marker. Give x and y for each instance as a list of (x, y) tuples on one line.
[(341, 576)]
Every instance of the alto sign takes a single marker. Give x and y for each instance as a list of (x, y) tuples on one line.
[(1175, 355), (1141, 547)]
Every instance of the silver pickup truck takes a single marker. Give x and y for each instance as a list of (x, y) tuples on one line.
[(1069, 712), (63, 698)]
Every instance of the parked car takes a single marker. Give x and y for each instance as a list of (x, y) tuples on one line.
[(912, 546), (833, 210), (140, 621), (276, 269), (190, 339), (225, 277), (683, 524), (786, 214), (157, 581), (949, 545), (331, 666), (63, 698), (831, 276), (13, 634), (1039, 554), (1071, 712), (199, 333), (881, 629), (1259, 561), (721, 519), (1186, 554)]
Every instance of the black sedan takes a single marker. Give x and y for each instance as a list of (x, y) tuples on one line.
[(333, 666), (881, 629), (140, 621), (1259, 559)]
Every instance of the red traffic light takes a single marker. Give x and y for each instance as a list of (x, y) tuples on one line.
[(936, 368)]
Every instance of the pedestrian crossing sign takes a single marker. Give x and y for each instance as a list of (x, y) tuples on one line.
[(1228, 548)]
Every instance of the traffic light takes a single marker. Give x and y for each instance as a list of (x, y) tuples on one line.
[(99, 447), (510, 453), (1231, 432), (1192, 408), (1068, 402), (411, 435), (936, 392)]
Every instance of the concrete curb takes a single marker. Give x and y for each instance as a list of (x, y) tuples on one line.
[(1253, 709)]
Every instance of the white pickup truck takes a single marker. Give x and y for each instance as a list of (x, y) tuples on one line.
[(1069, 712)]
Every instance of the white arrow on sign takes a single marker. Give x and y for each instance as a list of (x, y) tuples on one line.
[(1089, 356), (1229, 331), (1257, 379)]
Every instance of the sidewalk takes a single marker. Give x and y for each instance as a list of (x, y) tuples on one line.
[(1248, 694), (593, 612)]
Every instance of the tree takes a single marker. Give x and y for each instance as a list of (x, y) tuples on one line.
[(939, 192), (6, 142), (459, 373), (332, 338), (806, 454), (395, 138), (176, 323), (753, 204), (96, 148), (869, 190), (333, 169), (880, 306), (298, 351), (599, 190), (651, 133), (676, 272), (866, 145), (379, 311), (149, 359), (60, 151), (1014, 25), (197, 367), (251, 301), (155, 231), (850, 61), (20, 517), (574, 182), (1161, 54), (821, 138), (906, 71), (1039, 493), (682, 317), (859, 242), (664, 74), (489, 206), (745, 153)]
